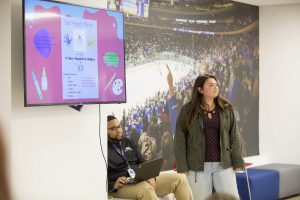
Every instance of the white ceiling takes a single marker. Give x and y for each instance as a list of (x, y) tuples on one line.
[(269, 2)]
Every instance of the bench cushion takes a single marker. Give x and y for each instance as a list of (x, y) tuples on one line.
[(264, 184), (289, 178)]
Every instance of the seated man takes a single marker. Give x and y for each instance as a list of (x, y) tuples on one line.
[(123, 158)]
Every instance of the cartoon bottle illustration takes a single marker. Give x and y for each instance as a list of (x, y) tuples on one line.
[(44, 80)]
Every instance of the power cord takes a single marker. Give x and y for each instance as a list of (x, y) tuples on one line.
[(101, 146)]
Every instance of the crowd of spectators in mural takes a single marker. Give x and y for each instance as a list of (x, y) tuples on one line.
[(211, 22), (144, 43), (151, 125), (232, 59), (200, 23), (191, 6)]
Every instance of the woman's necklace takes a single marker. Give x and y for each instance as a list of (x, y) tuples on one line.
[(210, 112)]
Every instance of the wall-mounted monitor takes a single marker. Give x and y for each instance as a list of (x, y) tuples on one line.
[(72, 54)]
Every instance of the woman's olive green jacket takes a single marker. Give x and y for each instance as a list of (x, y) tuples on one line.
[(189, 141)]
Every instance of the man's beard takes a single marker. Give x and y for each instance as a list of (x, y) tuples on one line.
[(115, 140)]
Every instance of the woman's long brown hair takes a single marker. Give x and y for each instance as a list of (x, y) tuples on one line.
[(197, 99)]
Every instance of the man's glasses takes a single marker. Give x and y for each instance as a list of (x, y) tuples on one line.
[(114, 127)]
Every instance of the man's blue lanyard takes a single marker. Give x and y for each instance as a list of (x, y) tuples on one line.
[(121, 152)]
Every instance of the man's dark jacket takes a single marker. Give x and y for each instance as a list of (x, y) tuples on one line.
[(117, 165)]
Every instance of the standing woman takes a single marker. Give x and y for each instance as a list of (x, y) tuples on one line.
[(208, 146)]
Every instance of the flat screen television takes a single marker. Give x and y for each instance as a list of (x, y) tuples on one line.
[(72, 54)]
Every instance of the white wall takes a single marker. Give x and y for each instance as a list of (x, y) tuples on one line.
[(55, 152), (5, 81), (279, 84)]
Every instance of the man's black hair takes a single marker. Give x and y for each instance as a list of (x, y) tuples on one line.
[(110, 117)]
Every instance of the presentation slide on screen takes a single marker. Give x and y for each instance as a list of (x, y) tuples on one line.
[(79, 64), (73, 54)]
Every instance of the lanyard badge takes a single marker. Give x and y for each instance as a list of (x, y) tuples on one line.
[(131, 172)]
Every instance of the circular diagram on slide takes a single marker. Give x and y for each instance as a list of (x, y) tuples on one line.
[(117, 87)]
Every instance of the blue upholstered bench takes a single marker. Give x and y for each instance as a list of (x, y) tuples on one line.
[(289, 178), (264, 184)]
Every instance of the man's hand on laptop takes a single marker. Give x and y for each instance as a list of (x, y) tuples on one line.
[(120, 182), (152, 182)]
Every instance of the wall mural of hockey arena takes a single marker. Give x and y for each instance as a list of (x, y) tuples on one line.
[(168, 49)]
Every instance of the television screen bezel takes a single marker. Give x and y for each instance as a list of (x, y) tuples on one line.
[(26, 104)]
